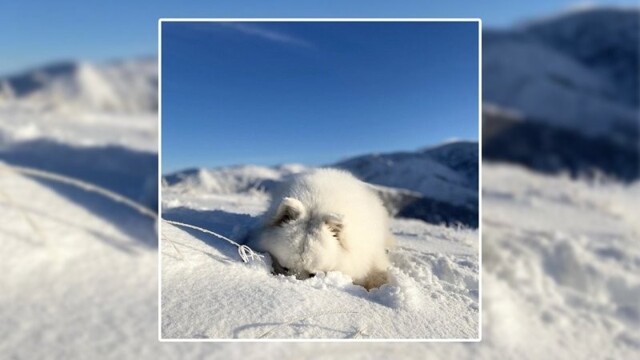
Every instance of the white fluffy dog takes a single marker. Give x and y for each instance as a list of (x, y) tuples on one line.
[(326, 220)]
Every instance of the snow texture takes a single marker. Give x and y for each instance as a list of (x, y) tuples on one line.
[(560, 280), (432, 293)]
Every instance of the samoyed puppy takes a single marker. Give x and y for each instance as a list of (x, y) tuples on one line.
[(326, 220)]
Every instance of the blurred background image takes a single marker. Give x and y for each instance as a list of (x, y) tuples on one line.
[(559, 218)]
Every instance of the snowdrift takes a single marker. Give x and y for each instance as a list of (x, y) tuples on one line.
[(433, 292)]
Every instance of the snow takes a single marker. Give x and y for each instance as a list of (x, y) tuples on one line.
[(113, 149), (128, 86), (88, 288), (548, 86), (433, 291), (561, 263), (447, 172), (22, 123), (83, 104), (438, 184), (603, 39), (77, 283), (229, 180), (577, 71)]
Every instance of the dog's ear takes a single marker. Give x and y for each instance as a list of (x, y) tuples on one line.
[(290, 209), (335, 224)]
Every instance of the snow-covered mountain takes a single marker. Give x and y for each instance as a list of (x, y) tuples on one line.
[(126, 86), (94, 122), (438, 184), (545, 85), (229, 180), (447, 172), (541, 146), (572, 80), (605, 41)]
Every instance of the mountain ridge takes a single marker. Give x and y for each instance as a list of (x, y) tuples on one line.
[(417, 184), (119, 86)]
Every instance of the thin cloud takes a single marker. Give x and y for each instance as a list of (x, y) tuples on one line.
[(267, 34)]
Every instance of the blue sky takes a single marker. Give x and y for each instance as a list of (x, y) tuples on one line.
[(314, 92), (34, 32)]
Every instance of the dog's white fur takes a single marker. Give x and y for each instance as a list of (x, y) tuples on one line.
[(327, 220)]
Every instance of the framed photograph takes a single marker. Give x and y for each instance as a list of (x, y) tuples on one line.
[(320, 179)]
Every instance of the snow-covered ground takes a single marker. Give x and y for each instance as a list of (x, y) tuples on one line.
[(47, 122), (77, 273), (561, 262), (207, 292)]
